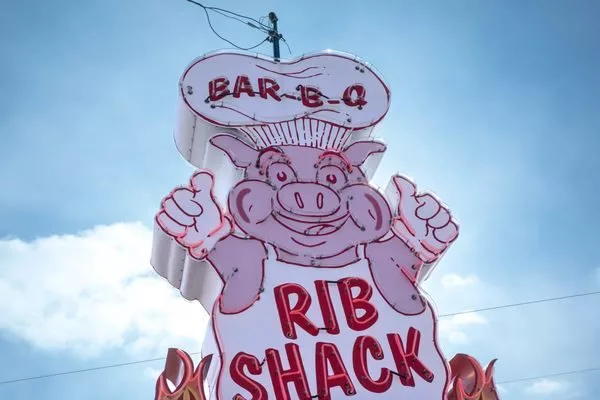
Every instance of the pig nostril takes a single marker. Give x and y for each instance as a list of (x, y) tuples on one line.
[(320, 201), (299, 200)]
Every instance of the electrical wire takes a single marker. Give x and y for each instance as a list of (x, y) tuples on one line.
[(227, 40), (534, 378), (104, 367), (261, 19), (572, 296), (261, 28), (78, 371), (223, 11), (286, 44), (572, 372), (235, 16)]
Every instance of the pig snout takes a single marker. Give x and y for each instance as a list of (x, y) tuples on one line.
[(310, 199)]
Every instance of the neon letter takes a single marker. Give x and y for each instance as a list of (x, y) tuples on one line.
[(236, 369), (218, 88), (328, 358), (329, 318), (359, 356), (407, 359), (295, 374), (311, 97), (361, 302), (359, 100), (288, 316), (268, 87), (242, 85)]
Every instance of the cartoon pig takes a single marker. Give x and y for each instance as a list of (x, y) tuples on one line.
[(322, 279)]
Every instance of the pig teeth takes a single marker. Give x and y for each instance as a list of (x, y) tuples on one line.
[(317, 230)]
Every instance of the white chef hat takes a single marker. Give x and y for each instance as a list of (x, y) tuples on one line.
[(318, 100), (303, 132)]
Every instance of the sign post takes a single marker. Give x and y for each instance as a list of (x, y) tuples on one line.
[(311, 275), (275, 36)]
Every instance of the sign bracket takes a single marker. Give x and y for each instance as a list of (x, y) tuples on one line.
[(274, 36)]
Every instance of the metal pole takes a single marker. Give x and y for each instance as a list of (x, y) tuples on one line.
[(275, 36)]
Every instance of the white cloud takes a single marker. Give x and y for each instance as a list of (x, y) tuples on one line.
[(546, 387), (152, 373), (524, 339), (96, 290), (454, 289), (453, 280), (453, 336), (91, 292), (469, 319), (453, 329)]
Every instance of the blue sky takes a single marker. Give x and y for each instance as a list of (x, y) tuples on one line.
[(494, 108)]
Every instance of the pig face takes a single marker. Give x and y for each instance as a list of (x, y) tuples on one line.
[(306, 201)]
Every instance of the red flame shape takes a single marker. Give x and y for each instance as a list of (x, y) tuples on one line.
[(470, 381), (179, 370)]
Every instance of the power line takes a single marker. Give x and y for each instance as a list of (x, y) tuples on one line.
[(227, 40), (77, 371), (260, 27), (573, 372), (238, 17), (520, 304), (31, 378), (286, 44), (223, 11), (533, 378)]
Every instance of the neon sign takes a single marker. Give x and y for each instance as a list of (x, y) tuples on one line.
[(310, 273), (469, 380), (218, 88)]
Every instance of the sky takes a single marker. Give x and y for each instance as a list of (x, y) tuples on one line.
[(494, 108)]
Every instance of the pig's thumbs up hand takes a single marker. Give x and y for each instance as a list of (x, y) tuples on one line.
[(191, 215), (422, 222)]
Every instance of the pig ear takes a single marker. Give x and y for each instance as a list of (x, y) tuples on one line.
[(358, 152), (240, 153)]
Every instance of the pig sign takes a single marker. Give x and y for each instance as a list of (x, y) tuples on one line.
[(309, 272)]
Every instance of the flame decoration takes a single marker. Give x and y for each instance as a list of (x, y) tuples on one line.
[(470, 381), (179, 370)]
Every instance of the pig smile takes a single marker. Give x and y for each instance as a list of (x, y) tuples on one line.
[(314, 227), (308, 245)]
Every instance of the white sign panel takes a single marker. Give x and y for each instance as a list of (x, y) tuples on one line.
[(230, 89), (316, 271)]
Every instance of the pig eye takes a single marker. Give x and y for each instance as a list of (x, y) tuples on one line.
[(331, 175), (280, 173)]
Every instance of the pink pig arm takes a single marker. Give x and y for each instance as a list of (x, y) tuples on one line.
[(422, 229), (195, 248), (240, 264), (235, 263), (395, 269)]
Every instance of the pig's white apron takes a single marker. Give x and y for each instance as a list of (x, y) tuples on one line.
[(258, 328)]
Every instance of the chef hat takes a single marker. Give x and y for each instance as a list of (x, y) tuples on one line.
[(318, 100), (303, 132)]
